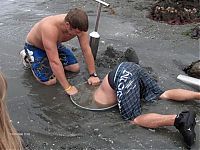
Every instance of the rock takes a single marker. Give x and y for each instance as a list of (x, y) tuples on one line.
[(175, 12), (193, 70), (131, 55), (196, 32)]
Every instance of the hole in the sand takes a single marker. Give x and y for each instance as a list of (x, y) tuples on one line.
[(176, 12)]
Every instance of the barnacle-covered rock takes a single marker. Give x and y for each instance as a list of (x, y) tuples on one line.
[(193, 70), (176, 11), (196, 32)]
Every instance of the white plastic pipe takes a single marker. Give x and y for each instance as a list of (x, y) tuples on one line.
[(94, 43), (189, 80), (103, 3)]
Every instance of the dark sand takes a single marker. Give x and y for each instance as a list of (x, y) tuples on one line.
[(45, 116)]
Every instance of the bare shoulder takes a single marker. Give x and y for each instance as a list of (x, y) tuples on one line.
[(48, 24), (52, 20)]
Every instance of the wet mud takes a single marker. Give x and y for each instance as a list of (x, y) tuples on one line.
[(112, 57), (45, 116)]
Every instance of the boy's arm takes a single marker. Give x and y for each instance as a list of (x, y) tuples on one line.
[(89, 59), (49, 40)]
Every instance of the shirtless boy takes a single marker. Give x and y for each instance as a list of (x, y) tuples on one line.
[(48, 58)]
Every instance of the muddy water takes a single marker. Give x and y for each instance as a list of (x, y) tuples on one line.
[(45, 116)]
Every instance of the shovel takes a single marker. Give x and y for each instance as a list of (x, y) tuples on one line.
[(94, 36)]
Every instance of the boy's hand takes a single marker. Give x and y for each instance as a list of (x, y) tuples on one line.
[(94, 80), (71, 90)]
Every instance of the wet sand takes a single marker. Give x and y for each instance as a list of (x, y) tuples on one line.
[(45, 116)]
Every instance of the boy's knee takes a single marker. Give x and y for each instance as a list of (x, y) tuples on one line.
[(164, 95), (76, 68), (73, 68), (135, 121), (50, 82)]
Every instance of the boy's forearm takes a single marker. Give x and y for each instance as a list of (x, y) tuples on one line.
[(89, 59), (60, 75)]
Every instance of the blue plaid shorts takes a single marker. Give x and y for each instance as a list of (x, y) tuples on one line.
[(41, 66), (132, 84)]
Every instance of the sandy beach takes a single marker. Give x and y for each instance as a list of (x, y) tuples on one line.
[(45, 116)]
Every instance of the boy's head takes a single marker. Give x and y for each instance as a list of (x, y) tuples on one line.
[(78, 19)]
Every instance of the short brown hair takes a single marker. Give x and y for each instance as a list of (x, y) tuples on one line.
[(77, 19)]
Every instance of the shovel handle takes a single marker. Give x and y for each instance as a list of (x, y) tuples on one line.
[(103, 3)]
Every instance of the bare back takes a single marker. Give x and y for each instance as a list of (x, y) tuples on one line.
[(105, 95), (55, 25)]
